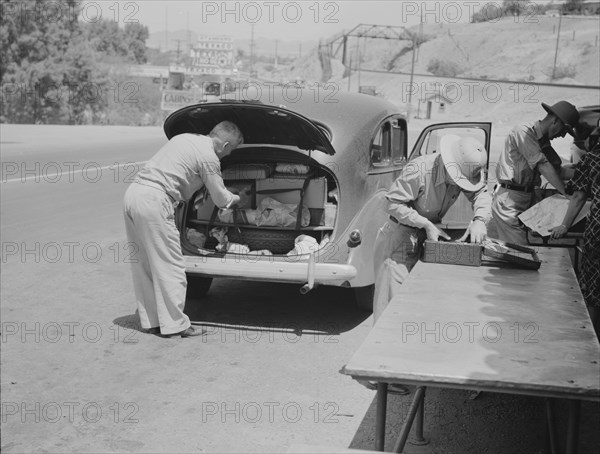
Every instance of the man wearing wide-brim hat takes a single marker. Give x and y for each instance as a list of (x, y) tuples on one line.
[(521, 163), (419, 198)]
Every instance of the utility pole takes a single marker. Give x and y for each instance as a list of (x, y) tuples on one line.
[(349, 73), (252, 50), (276, 43), (420, 34), (358, 61), (178, 51), (412, 73), (166, 29), (557, 41), (189, 36)]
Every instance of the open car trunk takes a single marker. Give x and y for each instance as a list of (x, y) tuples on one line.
[(276, 181)]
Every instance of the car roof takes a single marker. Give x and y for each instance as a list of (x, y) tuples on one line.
[(345, 115), (327, 105)]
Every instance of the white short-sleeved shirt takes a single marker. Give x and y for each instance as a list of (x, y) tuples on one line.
[(184, 165), (522, 154)]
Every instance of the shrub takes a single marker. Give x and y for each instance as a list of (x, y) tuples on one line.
[(443, 68), (489, 11), (562, 71)]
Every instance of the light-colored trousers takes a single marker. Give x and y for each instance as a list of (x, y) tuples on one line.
[(506, 208), (397, 250), (157, 267)]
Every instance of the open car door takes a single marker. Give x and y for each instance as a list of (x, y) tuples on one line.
[(461, 213)]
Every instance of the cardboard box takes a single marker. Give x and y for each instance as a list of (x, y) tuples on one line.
[(324, 216), (330, 214), (317, 216)]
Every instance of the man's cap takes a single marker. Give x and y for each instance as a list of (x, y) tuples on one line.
[(565, 112), (464, 159)]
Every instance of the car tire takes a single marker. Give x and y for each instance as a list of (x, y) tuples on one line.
[(197, 285), (363, 297)]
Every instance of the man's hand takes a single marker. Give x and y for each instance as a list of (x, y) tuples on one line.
[(240, 198), (245, 201), (477, 231), (558, 231), (433, 233)]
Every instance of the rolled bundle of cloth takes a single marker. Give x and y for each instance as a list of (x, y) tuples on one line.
[(304, 244), (292, 169)]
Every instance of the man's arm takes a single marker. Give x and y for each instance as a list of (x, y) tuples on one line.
[(407, 188), (549, 172), (220, 195), (482, 213), (567, 171), (576, 203)]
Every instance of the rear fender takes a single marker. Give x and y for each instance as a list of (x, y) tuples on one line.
[(368, 221)]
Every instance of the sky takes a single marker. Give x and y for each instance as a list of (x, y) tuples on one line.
[(285, 20)]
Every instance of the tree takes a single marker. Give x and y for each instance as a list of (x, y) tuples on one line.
[(34, 41), (54, 69), (514, 7), (135, 36), (572, 6), (116, 43), (106, 38), (88, 82)]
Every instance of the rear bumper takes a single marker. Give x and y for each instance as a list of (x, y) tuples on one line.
[(273, 269)]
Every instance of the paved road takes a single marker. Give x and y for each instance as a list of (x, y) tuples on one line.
[(78, 376)]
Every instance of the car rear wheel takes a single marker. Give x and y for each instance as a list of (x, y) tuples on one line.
[(364, 297), (197, 285)]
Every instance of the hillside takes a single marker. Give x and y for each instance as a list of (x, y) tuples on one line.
[(513, 50), (507, 49), (500, 51)]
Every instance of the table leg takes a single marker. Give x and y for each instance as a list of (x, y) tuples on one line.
[(410, 417), (573, 427), (419, 440), (550, 426), (382, 389)]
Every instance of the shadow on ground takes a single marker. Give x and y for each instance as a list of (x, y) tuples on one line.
[(493, 423), (268, 306)]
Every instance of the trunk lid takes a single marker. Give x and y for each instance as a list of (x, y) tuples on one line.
[(260, 124)]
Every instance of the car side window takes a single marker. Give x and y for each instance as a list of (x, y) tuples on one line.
[(381, 146), (398, 138), (431, 143)]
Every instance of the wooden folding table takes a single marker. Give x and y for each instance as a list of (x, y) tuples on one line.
[(489, 328)]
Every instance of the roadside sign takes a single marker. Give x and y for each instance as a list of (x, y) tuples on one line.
[(176, 99)]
